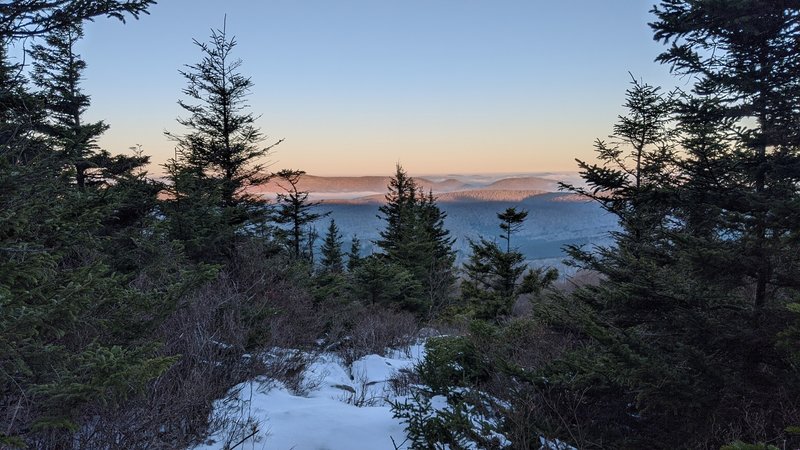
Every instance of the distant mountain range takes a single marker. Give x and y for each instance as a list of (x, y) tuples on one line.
[(556, 218), (371, 189)]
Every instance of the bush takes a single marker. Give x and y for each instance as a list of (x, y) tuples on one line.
[(367, 330), (451, 361)]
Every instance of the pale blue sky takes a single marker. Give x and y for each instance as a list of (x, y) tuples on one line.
[(355, 86)]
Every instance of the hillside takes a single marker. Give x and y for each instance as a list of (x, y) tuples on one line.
[(524, 183), (318, 184), (451, 183), (473, 195)]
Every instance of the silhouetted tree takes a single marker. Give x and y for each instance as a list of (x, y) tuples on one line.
[(58, 71), (493, 278), (219, 157), (511, 221), (696, 291), (295, 209), (27, 18), (21, 115), (415, 238), (331, 250), (354, 255)]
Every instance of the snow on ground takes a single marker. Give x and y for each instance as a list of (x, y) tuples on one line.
[(328, 417)]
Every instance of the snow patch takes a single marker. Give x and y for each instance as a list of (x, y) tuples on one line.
[(346, 409)]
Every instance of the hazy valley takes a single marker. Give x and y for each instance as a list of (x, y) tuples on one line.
[(555, 219)]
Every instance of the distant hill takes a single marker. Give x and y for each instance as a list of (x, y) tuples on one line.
[(473, 195), (313, 183), (489, 195), (524, 184)]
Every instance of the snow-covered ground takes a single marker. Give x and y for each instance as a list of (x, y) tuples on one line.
[(341, 410)]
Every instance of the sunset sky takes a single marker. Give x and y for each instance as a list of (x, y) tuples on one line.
[(355, 86)]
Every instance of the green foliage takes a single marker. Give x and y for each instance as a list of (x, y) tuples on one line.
[(691, 323), (493, 278), (331, 250), (295, 210), (354, 255), (449, 412), (220, 156), (454, 423), (416, 240), (380, 281), (105, 318), (479, 390), (451, 362)]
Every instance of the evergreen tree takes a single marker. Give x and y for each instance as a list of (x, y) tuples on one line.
[(297, 211), (21, 115), (378, 281), (77, 329), (354, 255), (219, 157), (58, 72), (686, 330), (511, 221), (490, 280), (753, 80), (415, 238), (29, 18), (493, 278), (399, 213), (331, 250)]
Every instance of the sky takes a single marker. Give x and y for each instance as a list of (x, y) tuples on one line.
[(355, 86)]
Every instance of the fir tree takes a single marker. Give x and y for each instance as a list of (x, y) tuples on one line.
[(331, 250), (58, 72), (511, 221), (752, 79), (29, 18), (21, 115), (695, 291), (399, 213), (77, 330), (493, 278), (220, 155), (378, 281), (354, 255), (415, 238), (296, 211)]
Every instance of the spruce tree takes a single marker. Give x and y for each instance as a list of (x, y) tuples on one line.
[(415, 239), (30, 18), (220, 155), (399, 213), (687, 329), (331, 250), (378, 281), (494, 279), (21, 115), (753, 80), (511, 221), (58, 72), (297, 211), (77, 330), (354, 255)]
